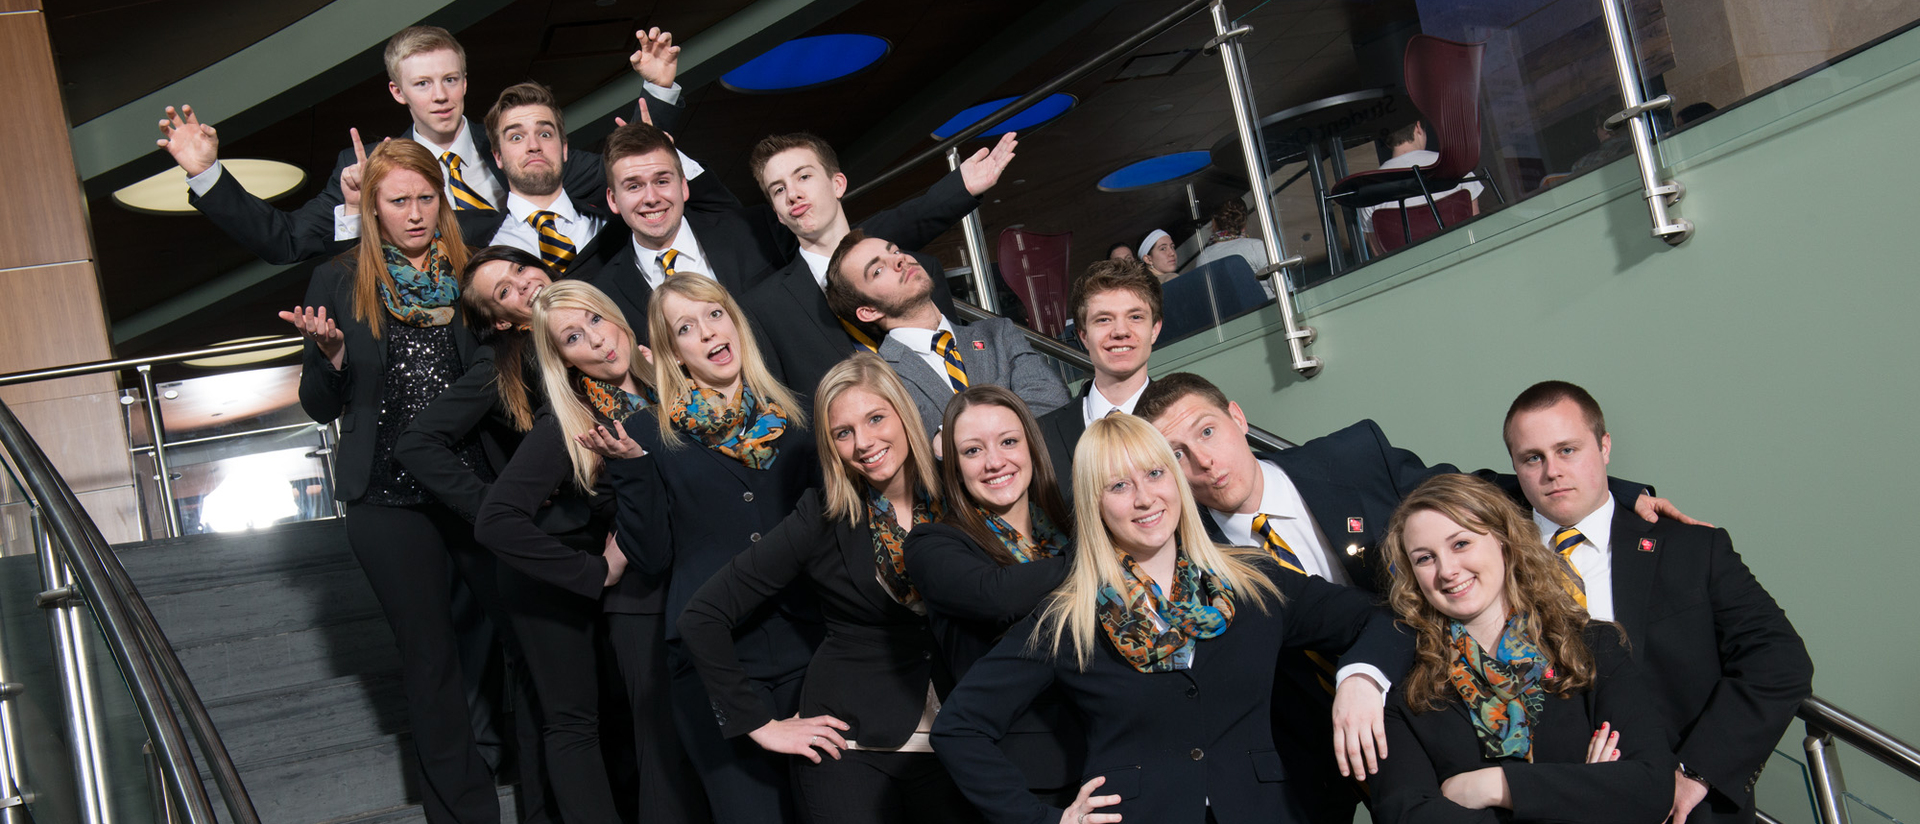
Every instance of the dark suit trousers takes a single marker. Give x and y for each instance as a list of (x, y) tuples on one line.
[(556, 630), (880, 787), (745, 784), (407, 554), (669, 788)]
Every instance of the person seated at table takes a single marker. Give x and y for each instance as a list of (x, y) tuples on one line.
[(1165, 642), (1481, 723), (1408, 145), (1157, 252), (1230, 238), (1121, 250)]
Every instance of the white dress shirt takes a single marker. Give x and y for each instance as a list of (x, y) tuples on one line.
[(1593, 558), (1287, 514), (517, 232), (921, 342), (1096, 405), (473, 170), (817, 264), (692, 258)]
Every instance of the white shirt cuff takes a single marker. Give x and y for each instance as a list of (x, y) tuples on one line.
[(1340, 677), (691, 167), (665, 94), (202, 183), (345, 226)]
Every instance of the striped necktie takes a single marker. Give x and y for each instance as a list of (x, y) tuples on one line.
[(665, 260), (1275, 545), (858, 336), (464, 196), (555, 248), (956, 370), (1565, 541)]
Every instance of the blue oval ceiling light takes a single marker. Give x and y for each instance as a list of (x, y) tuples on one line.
[(1049, 107), (1155, 170), (806, 62)]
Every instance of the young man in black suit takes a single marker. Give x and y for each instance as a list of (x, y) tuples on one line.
[(1728, 668), (800, 175), (427, 73), (1116, 314)]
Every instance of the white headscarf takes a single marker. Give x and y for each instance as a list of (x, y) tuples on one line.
[(1152, 238)]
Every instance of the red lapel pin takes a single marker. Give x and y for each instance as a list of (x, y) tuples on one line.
[(979, 344), (1356, 525), (1646, 544)]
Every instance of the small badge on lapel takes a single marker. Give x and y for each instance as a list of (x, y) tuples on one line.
[(1646, 544), (979, 344), (1356, 525)]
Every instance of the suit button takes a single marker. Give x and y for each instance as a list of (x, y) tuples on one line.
[(754, 538), (1196, 754), (1193, 691), (746, 496), (926, 656)]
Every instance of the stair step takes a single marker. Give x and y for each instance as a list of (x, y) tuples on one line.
[(195, 561), (413, 814), (338, 782), (276, 724), (235, 667), (263, 606)]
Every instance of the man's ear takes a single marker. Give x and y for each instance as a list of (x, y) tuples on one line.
[(1155, 337), (839, 185), (868, 314), (394, 89), (1239, 418), (1606, 449), (611, 206)]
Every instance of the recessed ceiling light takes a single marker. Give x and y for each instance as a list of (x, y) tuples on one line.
[(166, 192), (240, 358), (806, 62), (1048, 108), (1155, 170)]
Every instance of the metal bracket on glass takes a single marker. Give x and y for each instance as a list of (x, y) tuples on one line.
[(1213, 45), (1659, 193), (12, 801), (10, 689), (56, 598)]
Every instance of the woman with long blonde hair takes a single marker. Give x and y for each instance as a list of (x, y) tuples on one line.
[(700, 477), (383, 338), (1515, 700), (1166, 644)]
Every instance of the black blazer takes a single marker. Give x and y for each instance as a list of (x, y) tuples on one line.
[(684, 512), (469, 405), (1727, 667), (971, 602), (1061, 429), (1428, 748), (547, 549), (1170, 743), (351, 394), (802, 338), (873, 669)]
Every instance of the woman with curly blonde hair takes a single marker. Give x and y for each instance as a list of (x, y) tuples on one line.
[(1515, 700)]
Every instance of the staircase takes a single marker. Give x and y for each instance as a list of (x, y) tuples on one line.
[(284, 641)]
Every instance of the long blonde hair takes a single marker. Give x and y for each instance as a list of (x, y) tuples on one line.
[(576, 415), (1532, 588), (670, 375), (1115, 446), (865, 370), (370, 260)]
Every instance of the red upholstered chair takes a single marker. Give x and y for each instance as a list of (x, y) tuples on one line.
[(1443, 80), (1396, 227), (1034, 265)]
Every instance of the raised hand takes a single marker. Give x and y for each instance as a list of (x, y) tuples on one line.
[(981, 171), (658, 59), (350, 176), (315, 326), (1359, 727), (801, 736), (1650, 509), (613, 445), (194, 145), (645, 117), (1604, 746), (1081, 811)]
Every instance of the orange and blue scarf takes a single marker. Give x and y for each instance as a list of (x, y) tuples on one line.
[(746, 431), (1200, 606), (420, 298), (890, 543), (1502, 690)]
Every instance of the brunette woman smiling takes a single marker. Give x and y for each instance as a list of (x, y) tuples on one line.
[(700, 478)]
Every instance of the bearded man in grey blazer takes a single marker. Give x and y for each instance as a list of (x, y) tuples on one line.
[(888, 294)]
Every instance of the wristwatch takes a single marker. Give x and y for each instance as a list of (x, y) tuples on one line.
[(1689, 773)]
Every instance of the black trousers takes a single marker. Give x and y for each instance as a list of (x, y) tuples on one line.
[(407, 554), (556, 630), (668, 786), (744, 783), (880, 787)]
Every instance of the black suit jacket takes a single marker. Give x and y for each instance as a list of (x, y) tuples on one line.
[(873, 669), (1558, 786), (686, 511), (1178, 747), (1061, 429), (803, 339), (740, 252), (971, 602), (351, 394), (1727, 666)]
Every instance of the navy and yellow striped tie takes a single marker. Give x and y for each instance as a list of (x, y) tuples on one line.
[(858, 336), (665, 260), (1275, 545), (1565, 541), (956, 370), (555, 248), (464, 196)]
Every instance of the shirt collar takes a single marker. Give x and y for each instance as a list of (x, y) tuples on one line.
[(519, 208), (1097, 406), (684, 241), (816, 264), (917, 339), (1278, 499), (1597, 527), (462, 145)]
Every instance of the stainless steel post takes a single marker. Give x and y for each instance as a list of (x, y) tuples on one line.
[(159, 433), (984, 295), (1253, 148), (1823, 770), (1637, 115), (76, 677), (12, 797)]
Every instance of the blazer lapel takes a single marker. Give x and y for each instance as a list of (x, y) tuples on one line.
[(1328, 502), (915, 373), (1635, 560), (976, 352), (798, 281), (739, 470)]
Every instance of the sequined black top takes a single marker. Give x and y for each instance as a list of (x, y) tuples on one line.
[(421, 363)]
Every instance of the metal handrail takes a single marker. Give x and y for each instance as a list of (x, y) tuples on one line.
[(96, 367), (1825, 717), (1075, 358), (138, 646)]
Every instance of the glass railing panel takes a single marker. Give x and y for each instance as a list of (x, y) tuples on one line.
[(1785, 790)]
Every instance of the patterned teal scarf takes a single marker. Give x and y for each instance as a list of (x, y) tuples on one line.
[(737, 431), (1200, 606), (420, 298), (1047, 540), (890, 543), (1502, 692), (612, 402)]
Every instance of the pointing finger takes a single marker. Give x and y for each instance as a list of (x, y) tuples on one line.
[(359, 150)]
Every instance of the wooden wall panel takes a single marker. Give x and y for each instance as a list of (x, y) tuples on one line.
[(51, 316), (19, 5), (42, 218)]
